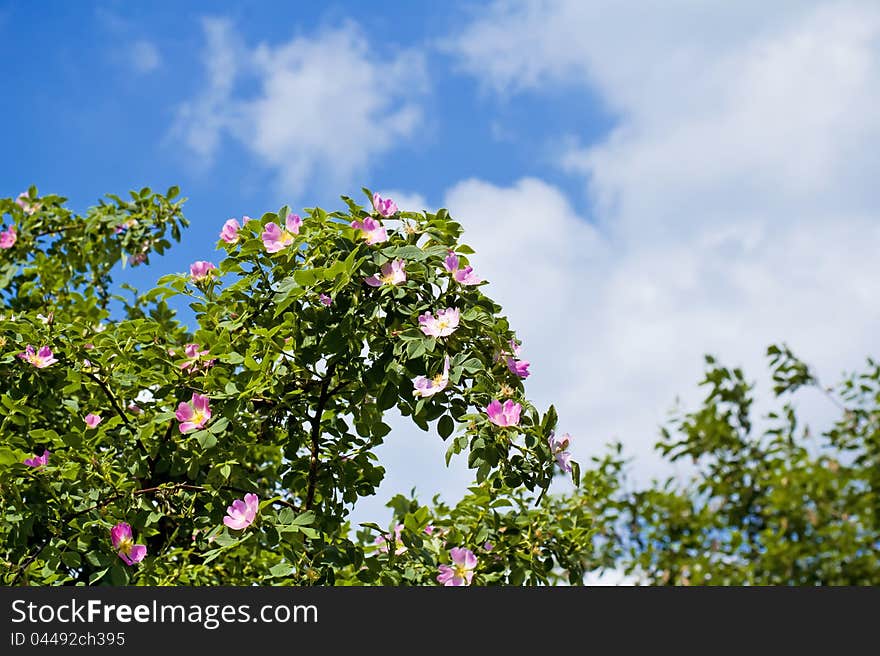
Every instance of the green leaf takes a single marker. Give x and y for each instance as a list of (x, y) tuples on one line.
[(445, 426), (71, 559), (304, 519), (205, 438), (219, 426), (281, 569)]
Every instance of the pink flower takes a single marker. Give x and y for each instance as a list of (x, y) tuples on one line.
[(465, 276), (425, 387), (518, 367), (399, 547), (326, 300), (276, 239), (123, 542), (559, 449), (93, 420), (194, 354), (442, 325), (504, 415), (461, 572), (137, 258), (200, 270), (429, 529), (384, 206), (393, 273), (38, 461), (374, 232), (8, 237), (125, 226), (241, 514), (229, 233), (40, 359), (24, 202), (194, 415)]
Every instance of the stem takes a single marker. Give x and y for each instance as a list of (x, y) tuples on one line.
[(112, 399), (316, 434)]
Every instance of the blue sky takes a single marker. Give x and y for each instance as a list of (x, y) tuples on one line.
[(644, 182)]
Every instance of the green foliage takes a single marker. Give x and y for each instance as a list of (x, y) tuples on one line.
[(299, 393), (769, 506)]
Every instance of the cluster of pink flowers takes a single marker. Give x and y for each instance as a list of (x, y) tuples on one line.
[(38, 461), (392, 273), (559, 449), (442, 325), (195, 358), (461, 572), (463, 276), (425, 387), (92, 420), (276, 239), (374, 232), (504, 415), (40, 359), (123, 542), (25, 203), (242, 513), (194, 415), (8, 237), (384, 206), (201, 270)]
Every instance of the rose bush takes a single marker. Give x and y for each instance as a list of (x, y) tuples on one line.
[(137, 449)]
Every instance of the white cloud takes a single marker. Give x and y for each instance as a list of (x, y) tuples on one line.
[(145, 56), (139, 54), (734, 201), (315, 108)]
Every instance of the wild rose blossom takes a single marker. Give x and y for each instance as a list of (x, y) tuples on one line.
[(200, 270), (504, 415), (241, 514), (393, 273), (229, 232), (93, 420), (461, 572), (425, 387), (559, 449), (384, 206), (8, 237), (123, 542), (276, 239), (24, 202), (374, 232), (38, 461), (194, 415), (384, 542), (442, 325), (40, 359), (463, 276), (326, 300), (518, 367), (194, 356)]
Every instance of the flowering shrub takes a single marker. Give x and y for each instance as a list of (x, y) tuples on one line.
[(236, 448)]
